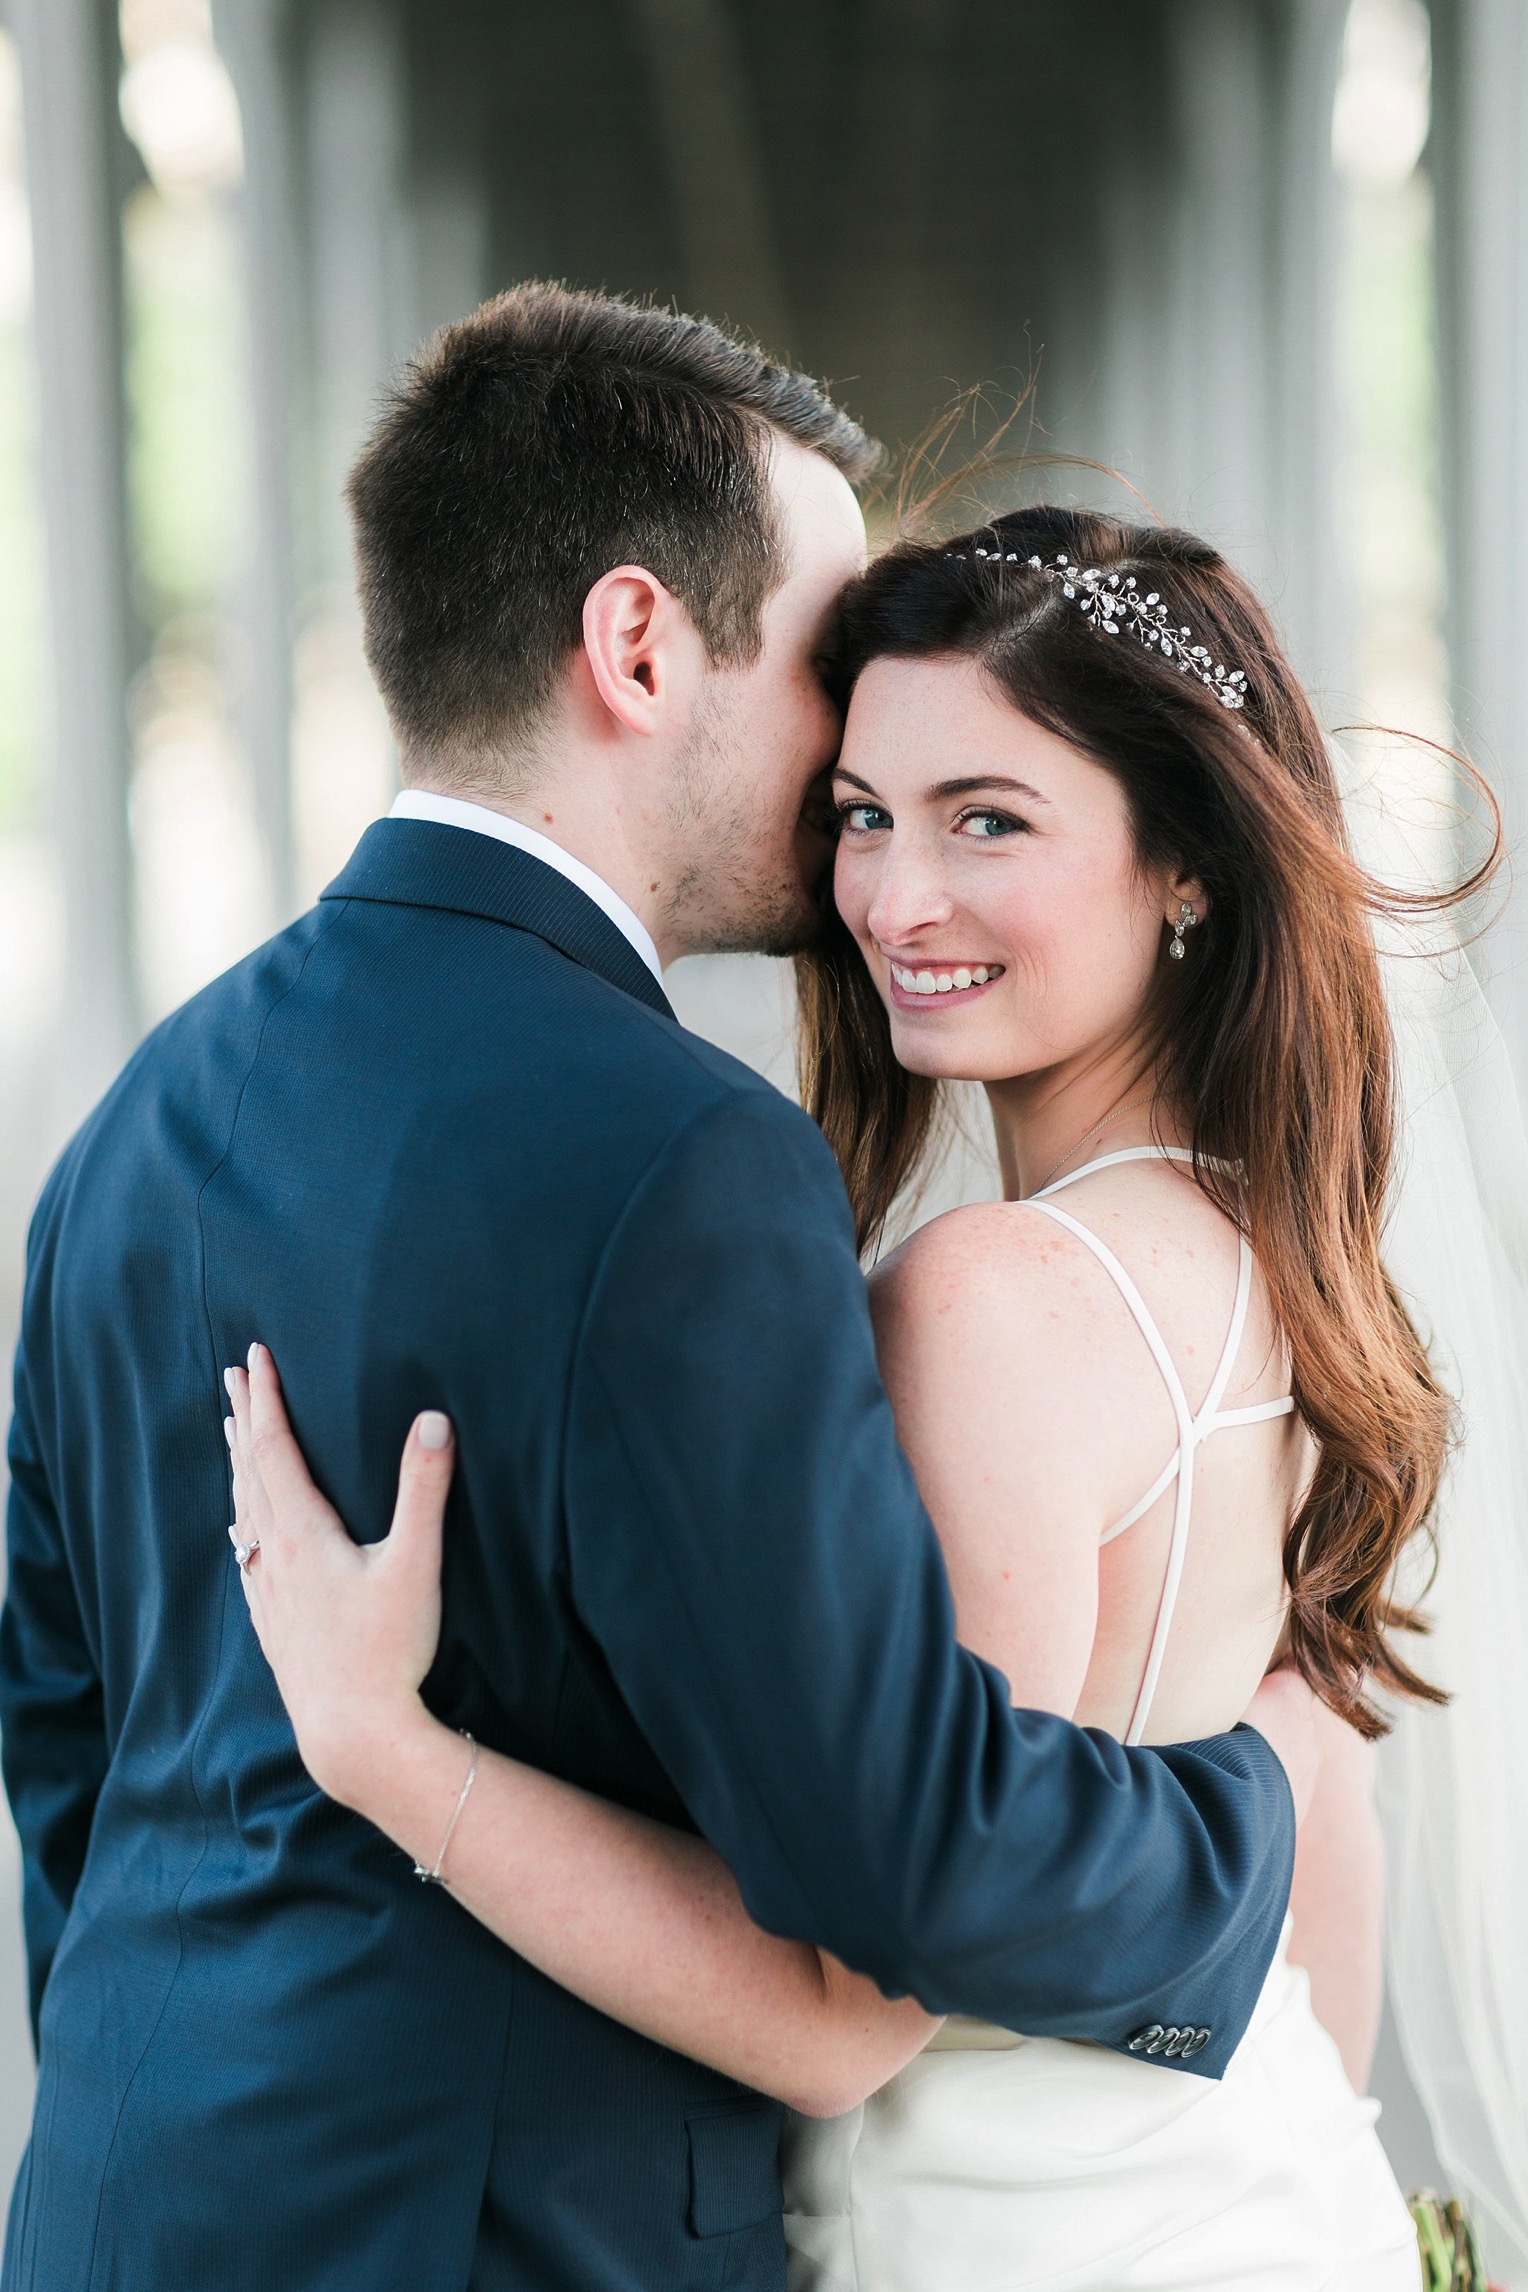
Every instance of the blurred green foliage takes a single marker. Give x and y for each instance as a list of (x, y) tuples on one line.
[(1450, 2256), (186, 427), (186, 474), (1388, 320)]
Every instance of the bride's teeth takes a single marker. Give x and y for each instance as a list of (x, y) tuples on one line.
[(954, 981)]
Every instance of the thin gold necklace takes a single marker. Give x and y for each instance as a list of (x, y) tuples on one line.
[(1115, 1114)]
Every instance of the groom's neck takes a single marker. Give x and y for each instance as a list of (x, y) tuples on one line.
[(592, 823)]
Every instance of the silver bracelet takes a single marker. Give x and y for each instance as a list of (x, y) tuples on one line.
[(433, 1877)]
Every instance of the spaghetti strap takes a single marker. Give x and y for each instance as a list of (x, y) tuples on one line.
[(1234, 1334), (1193, 1429), (1184, 1460), (1140, 1311), (1258, 1414), (1111, 1161), (1159, 1487)]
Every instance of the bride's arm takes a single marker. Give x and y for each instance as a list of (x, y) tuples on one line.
[(640, 1920), (1338, 1896)]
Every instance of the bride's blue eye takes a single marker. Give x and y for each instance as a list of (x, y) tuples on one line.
[(863, 819), (986, 827)]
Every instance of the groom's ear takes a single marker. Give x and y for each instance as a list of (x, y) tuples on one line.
[(645, 654)]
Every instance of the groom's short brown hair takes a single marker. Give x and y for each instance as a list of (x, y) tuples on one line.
[(543, 440)]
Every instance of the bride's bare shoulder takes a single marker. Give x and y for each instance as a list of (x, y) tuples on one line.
[(985, 1262), (1009, 1269), (995, 1316)]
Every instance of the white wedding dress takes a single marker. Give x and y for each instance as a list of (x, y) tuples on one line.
[(1000, 2163)]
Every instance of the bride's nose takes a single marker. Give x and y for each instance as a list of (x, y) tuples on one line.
[(910, 893)]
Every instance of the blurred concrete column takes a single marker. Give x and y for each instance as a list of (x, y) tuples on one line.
[(716, 168), (1203, 237), (1219, 254), (1303, 402), (360, 234), (68, 52), (1479, 161), (251, 36)]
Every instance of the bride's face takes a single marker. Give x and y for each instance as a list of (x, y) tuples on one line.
[(989, 873)]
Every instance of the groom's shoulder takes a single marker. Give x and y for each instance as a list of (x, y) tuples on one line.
[(711, 1099), (687, 1115), (389, 1011), (222, 1021)]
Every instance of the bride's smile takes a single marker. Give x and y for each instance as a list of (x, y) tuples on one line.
[(923, 976), (991, 876)]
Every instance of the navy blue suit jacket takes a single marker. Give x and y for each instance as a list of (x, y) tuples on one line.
[(442, 1143)]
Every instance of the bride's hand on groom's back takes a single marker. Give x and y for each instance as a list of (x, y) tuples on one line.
[(348, 1629)]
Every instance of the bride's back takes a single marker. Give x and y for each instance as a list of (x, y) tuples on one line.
[(1035, 1412), (1038, 1418)]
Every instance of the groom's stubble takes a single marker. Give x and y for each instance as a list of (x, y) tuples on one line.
[(750, 869), (746, 817)]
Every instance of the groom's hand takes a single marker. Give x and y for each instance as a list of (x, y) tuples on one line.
[(1284, 1710)]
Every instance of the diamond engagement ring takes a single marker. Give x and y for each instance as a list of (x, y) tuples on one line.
[(244, 1553)]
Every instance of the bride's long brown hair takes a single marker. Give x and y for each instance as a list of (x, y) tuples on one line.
[(1272, 1043)]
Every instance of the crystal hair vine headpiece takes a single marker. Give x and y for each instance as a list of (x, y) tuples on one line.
[(1113, 603)]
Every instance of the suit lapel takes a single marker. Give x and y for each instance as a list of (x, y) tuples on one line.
[(420, 863)]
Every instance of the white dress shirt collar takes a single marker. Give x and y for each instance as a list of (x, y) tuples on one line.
[(457, 812)]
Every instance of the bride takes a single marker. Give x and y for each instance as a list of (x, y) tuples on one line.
[(1168, 1414)]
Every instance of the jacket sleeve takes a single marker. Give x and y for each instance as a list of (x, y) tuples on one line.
[(52, 1715), (749, 1548)]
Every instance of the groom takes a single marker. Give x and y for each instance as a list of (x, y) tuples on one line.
[(442, 1143)]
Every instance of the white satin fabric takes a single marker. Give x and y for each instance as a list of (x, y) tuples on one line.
[(1001, 2164)]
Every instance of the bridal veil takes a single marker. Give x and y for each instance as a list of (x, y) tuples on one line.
[(1454, 1781)]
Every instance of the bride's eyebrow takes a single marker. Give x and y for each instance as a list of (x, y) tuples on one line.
[(982, 780), (967, 787)]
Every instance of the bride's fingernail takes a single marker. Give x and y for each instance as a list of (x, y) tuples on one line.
[(434, 1430), (254, 1354), (230, 1430)]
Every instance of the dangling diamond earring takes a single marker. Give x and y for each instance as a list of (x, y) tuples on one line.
[(1188, 916)]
